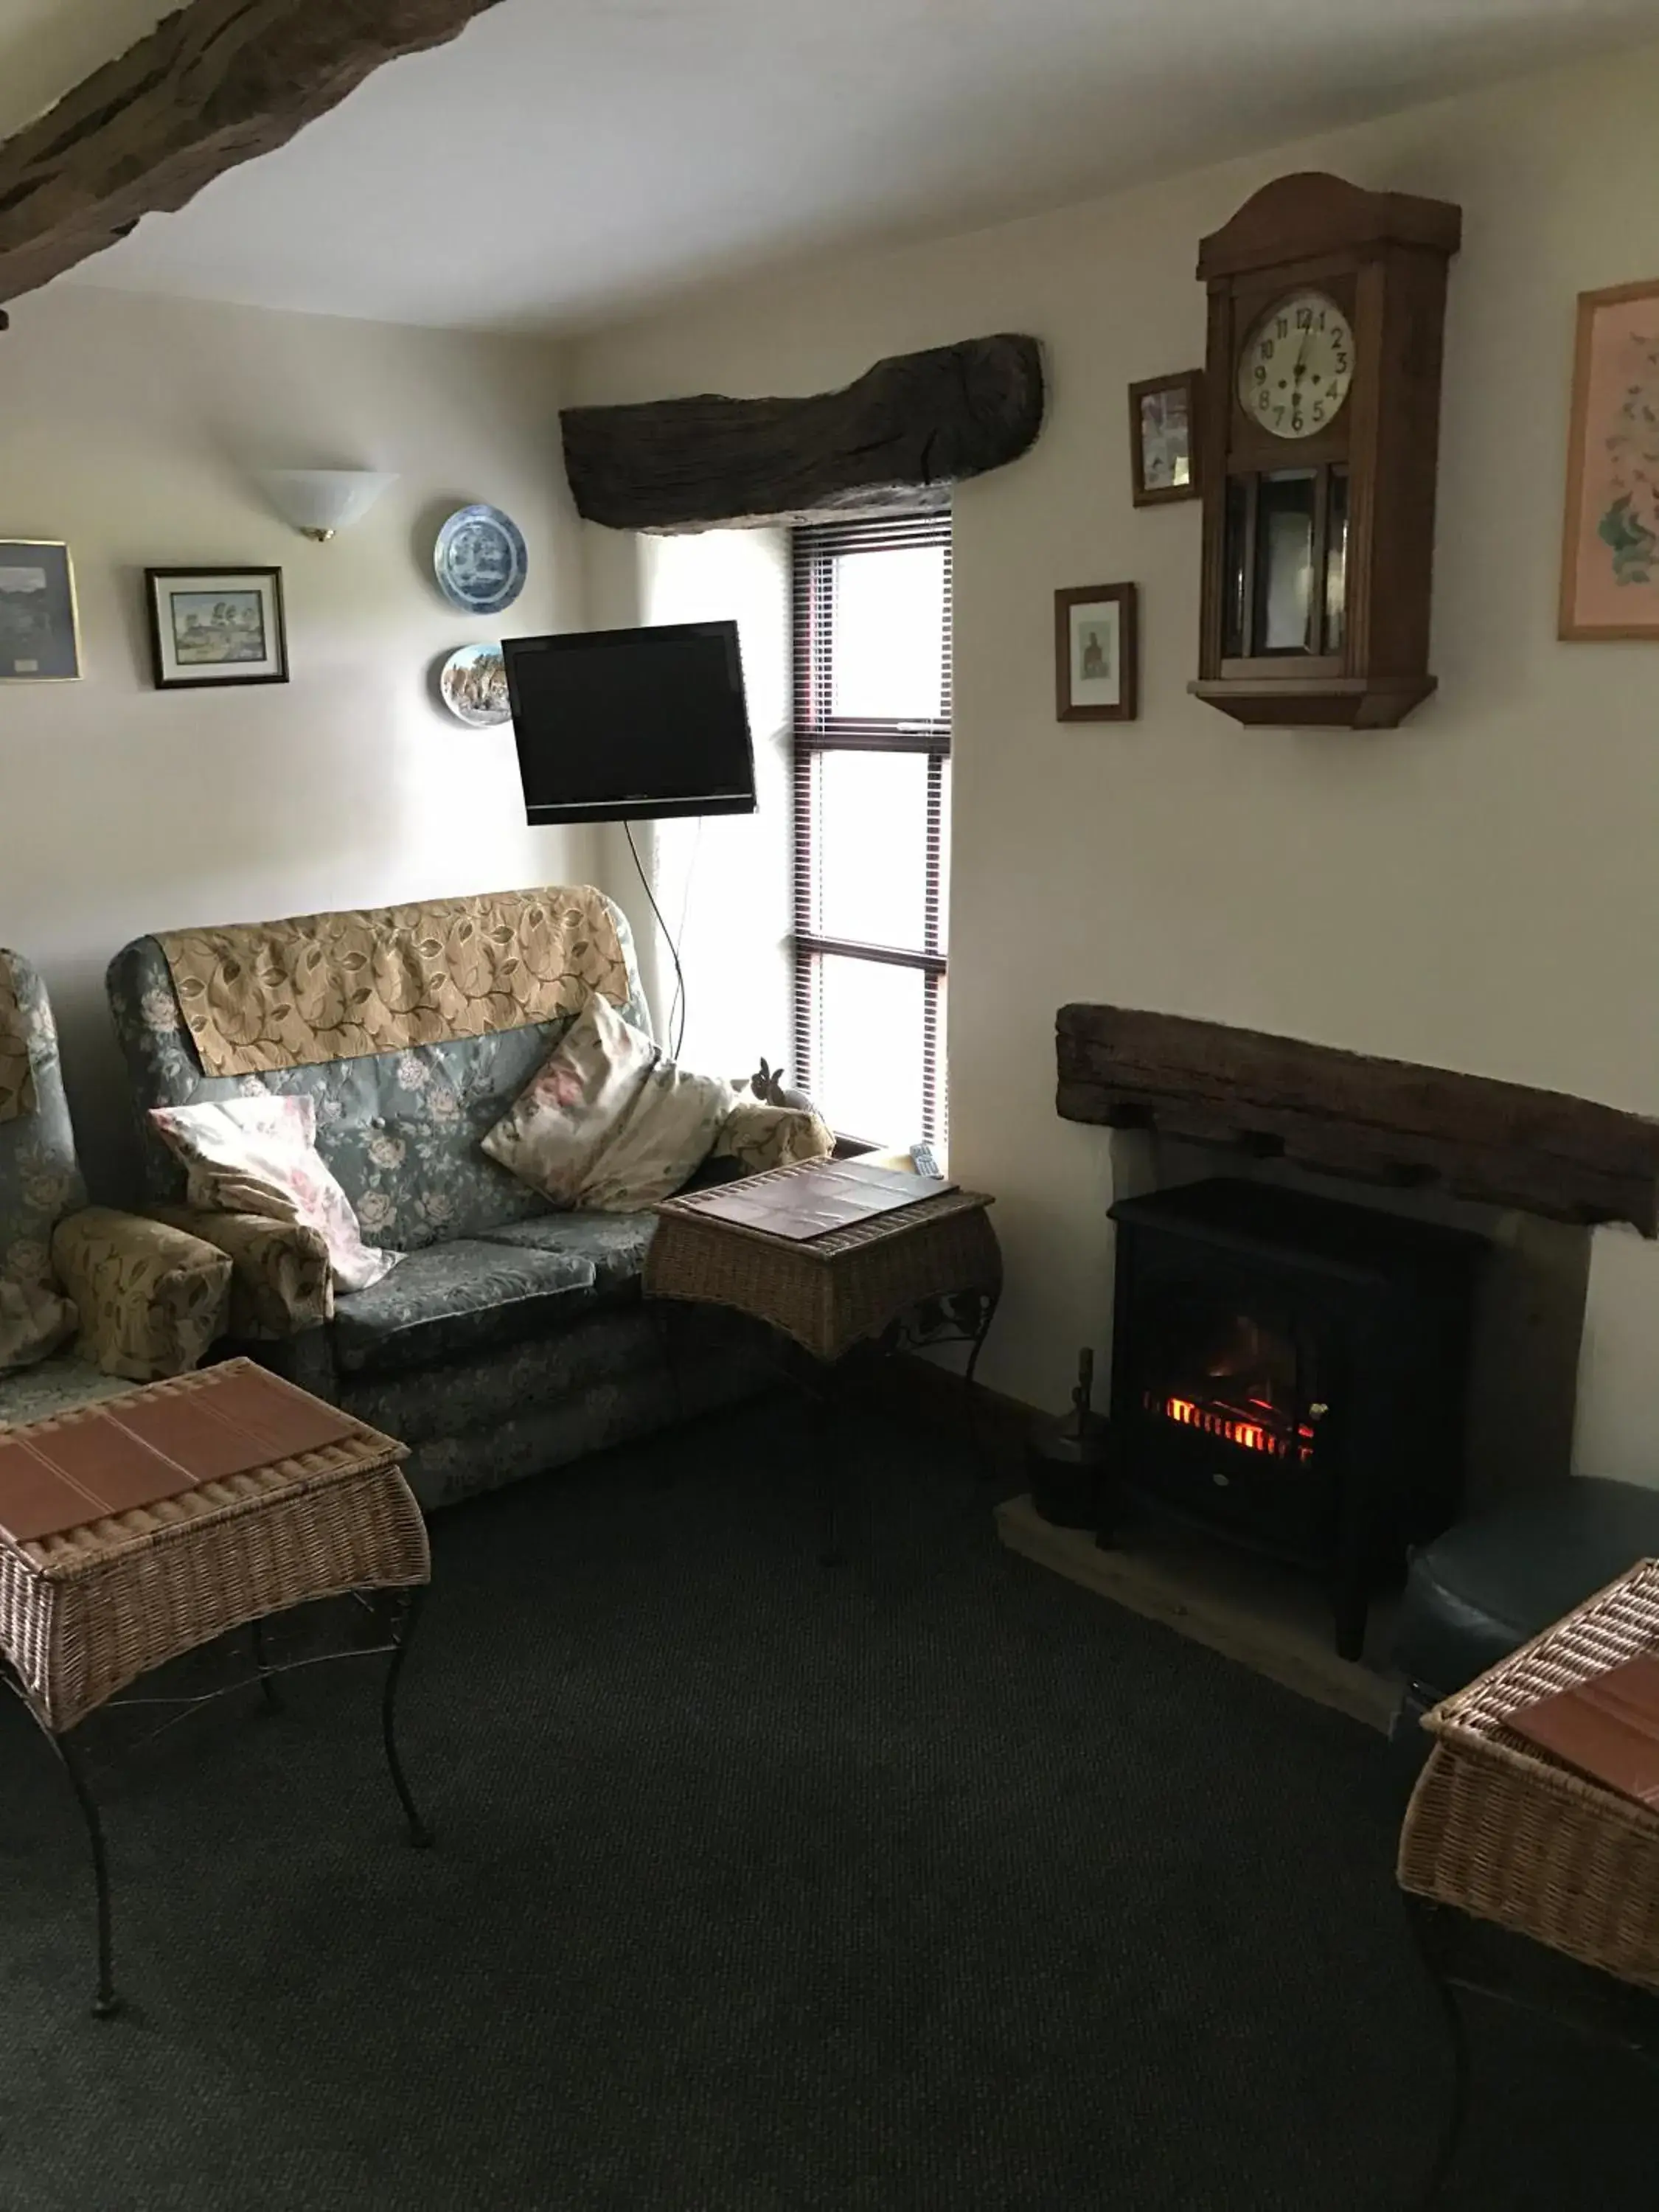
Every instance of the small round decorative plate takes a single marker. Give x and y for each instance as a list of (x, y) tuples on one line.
[(474, 685), (480, 560)]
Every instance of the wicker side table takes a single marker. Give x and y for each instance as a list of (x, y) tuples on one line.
[(832, 1292), (1502, 1833), (834, 1295), (85, 1611)]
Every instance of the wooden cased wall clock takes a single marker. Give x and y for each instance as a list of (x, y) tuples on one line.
[(1322, 423)]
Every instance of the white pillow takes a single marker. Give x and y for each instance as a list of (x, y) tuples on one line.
[(259, 1156), (606, 1121)]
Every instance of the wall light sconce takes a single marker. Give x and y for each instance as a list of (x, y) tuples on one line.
[(320, 501)]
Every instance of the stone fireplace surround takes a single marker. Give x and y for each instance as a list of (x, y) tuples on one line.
[(1533, 1171)]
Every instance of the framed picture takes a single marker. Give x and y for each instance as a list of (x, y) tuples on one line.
[(1164, 420), (1610, 553), (1096, 654), (40, 630), (216, 626)]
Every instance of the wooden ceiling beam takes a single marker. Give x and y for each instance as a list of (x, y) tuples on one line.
[(898, 438), (218, 83)]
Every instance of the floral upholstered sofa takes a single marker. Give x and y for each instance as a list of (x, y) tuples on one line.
[(91, 1301), (511, 1337)]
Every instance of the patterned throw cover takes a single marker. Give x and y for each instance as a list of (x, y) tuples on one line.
[(40, 1181), (326, 986), (16, 1079)]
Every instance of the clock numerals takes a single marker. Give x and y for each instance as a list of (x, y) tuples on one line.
[(1297, 365)]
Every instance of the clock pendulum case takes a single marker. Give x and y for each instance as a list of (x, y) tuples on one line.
[(1322, 422)]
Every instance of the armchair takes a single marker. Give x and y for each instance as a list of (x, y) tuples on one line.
[(90, 1299)]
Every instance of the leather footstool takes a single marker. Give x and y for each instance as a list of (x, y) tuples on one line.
[(1492, 1583)]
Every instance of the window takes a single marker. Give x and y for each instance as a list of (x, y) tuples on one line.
[(871, 805)]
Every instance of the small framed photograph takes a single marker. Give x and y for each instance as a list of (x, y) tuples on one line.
[(1164, 421), (1610, 555), (216, 626), (39, 630), (1096, 654)]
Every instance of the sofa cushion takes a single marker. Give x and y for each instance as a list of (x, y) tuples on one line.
[(615, 1244), (607, 1123), (259, 1156), (454, 1299)]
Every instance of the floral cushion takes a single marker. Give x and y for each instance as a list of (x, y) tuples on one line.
[(608, 1123), (456, 1298), (614, 1243), (151, 1299), (259, 1156)]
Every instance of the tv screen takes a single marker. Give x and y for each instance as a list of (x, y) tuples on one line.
[(618, 723)]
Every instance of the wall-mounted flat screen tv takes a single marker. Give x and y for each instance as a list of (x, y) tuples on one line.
[(618, 724)]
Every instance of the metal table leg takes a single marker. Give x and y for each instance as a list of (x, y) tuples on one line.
[(982, 1449), (1419, 1915), (268, 1689), (106, 2004), (402, 1611)]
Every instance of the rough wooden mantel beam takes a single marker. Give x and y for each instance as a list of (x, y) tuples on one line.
[(1377, 1121), (215, 85), (906, 431)]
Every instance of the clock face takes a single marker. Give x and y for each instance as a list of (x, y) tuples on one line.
[(1297, 365)]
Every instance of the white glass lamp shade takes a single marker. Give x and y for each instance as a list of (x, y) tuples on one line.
[(320, 501)]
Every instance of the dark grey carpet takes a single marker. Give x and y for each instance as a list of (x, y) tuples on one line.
[(934, 1882)]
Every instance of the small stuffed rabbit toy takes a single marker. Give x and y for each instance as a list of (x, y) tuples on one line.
[(766, 1083)]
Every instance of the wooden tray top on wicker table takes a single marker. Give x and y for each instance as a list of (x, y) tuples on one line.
[(1501, 1831), (830, 1293), (136, 1529)]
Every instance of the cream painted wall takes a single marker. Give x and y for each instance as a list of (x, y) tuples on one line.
[(131, 427), (1479, 890), (722, 883)]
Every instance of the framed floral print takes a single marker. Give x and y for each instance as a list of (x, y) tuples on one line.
[(216, 626), (39, 630), (1610, 552), (1164, 420), (1096, 654)]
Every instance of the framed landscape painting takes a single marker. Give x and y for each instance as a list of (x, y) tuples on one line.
[(1610, 555), (39, 633), (216, 626), (1097, 656)]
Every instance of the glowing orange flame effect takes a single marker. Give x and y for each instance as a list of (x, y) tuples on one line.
[(1235, 1426)]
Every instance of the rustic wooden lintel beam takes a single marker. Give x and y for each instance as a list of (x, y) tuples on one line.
[(899, 437), (212, 86), (1375, 1121)]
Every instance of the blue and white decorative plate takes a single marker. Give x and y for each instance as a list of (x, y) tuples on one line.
[(480, 560)]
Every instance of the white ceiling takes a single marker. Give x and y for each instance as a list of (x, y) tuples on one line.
[(568, 160)]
